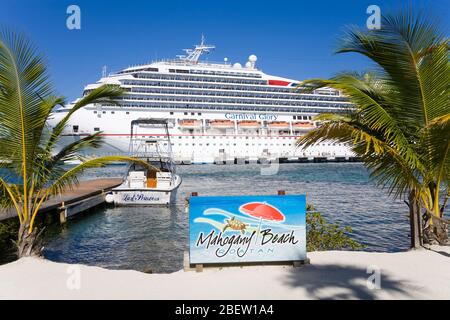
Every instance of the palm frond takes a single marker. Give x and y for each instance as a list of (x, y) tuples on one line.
[(434, 74), (396, 49), (9, 197), (48, 167), (24, 84), (372, 109), (102, 94)]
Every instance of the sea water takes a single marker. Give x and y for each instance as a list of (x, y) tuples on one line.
[(155, 238)]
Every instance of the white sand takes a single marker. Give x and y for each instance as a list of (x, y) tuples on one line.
[(420, 274)]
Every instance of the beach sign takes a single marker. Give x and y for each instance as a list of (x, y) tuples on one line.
[(241, 229)]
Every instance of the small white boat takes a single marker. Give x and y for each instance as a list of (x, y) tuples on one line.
[(155, 184)]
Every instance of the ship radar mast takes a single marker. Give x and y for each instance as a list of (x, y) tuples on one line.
[(192, 55)]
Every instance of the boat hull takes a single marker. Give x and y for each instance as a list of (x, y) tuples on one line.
[(123, 196), (143, 197)]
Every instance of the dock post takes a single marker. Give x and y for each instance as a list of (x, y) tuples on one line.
[(62, 213), (297, 264), (198, 268)]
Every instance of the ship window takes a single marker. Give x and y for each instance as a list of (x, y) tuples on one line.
[(199, 113), (96, 129), (112, 112), (75, 128), (95, 112), (192, 113), (104, 112), (127, 112), (171, 113), (185, 113)]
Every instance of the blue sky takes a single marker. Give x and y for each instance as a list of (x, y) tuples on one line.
[(295, 39)]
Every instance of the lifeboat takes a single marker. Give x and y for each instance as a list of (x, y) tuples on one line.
[(189, 123), (303, 125), (221, 124), (278, 125), (249, 124)]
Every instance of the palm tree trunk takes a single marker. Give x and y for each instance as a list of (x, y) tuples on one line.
[(28, 244), (414, 221)]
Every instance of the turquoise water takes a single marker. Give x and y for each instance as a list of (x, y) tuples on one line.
[(155, 237)]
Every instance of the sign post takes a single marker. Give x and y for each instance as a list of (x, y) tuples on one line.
[(247, 229)]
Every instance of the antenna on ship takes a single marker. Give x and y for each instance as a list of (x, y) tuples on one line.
[(104, 72), (194, 54)]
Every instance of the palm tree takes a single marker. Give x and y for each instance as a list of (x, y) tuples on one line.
[(27, 144), (399, 122)]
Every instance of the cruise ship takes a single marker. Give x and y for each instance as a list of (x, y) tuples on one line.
[(216, 111)]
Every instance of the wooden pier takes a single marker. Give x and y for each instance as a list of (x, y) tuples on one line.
[(87, 194)]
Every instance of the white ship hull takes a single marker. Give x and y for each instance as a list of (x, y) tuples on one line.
[(216, 112), (204, 145)]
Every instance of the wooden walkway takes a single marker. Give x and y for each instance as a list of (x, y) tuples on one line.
[(79, 197)]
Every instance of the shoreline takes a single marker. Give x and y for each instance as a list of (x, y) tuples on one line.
[(417, 274)]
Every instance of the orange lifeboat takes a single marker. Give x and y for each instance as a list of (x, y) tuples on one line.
[(221, 124), (190, 123), (278, 124), (249, 124), (303, 125)]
